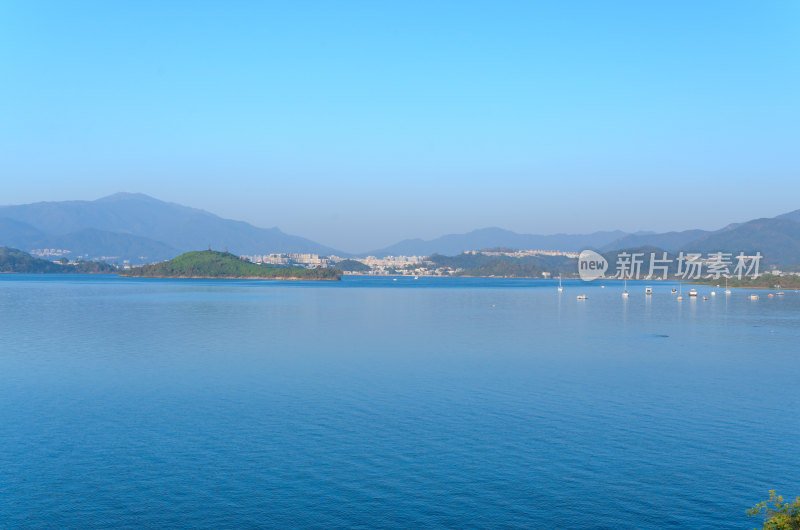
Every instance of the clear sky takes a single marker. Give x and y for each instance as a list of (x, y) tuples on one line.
[(361, 123)]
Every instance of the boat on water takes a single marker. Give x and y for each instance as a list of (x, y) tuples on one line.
[(780, 293), (674, 290), (648, 291), (680, 295), (693, 292), (705, 298), (753, 297), (581, 297), (625, 291), (727, 291), (560, 288)]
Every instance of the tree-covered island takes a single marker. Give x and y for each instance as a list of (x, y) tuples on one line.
[(224, 265)]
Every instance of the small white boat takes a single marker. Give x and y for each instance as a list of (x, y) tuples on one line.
[(713, 293), (753, 297), (581, 297), (625, 291), (674, 290), (780, 293), (705, 298), (560, 288), (648, 291), (416, 277), (727, 291), (693, 292)]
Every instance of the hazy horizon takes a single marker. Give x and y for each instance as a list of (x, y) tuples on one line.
[(390, 243), (359, 125)]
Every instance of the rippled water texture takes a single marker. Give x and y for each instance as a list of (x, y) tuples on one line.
[(378, 403)]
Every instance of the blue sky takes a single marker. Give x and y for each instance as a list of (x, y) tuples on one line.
[(361, 123)]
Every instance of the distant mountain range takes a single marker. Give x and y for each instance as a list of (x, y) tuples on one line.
[(453, 244), (778, 240), (141, 229)]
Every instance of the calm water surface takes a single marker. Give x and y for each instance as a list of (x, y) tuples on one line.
[(372, 403)]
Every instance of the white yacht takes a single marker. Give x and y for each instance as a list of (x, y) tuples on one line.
[(693, 293)]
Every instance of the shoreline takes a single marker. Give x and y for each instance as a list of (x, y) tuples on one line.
[(279, 278), (755, 287)]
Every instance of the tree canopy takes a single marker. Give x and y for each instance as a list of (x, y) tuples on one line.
[(777, 514)]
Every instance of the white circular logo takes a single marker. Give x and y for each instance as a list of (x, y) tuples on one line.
[(591, 265)]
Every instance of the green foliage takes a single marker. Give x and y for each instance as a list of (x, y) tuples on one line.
[(93, 267), (506, 266), (351, 265), (777, 514), (14, 260), (764, 281), (213, 264)]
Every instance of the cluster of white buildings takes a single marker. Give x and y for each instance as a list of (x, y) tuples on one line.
[(387, 262), (310, 261), (405, 265), (385, 265), (50, 252), (388, 265)]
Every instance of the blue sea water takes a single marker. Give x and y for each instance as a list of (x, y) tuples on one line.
[(373, 403)]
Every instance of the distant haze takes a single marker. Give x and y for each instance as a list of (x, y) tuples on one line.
[(365, 123), (136, 228)]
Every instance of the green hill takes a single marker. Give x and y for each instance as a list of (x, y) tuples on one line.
[(213, 264), (14, 260), (764, 281), (778, 240), (351, 265), (505, 266)]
